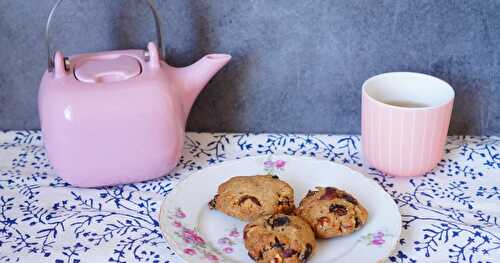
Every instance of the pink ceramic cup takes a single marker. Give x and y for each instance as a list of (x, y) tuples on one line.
[(405, 119)]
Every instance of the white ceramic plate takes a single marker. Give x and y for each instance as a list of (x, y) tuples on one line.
[(199, 234)]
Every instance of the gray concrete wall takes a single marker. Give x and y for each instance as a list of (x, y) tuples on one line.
[(297, 65)]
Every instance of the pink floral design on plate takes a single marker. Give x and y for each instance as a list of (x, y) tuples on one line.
[(280, 164), (190, 251), (234, 233), (228, 250), (211, 257), (224, 241), (227, 242), (378, 239), (179, 213), (190, 236), (270, 166), (195, 244), (177, 224), (375, 239)]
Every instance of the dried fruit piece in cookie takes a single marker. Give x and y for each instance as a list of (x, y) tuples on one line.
[(276, 221), (279, 238), (332, 212), (249, 197)]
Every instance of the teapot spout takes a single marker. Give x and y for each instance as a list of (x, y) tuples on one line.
[(196, 76)]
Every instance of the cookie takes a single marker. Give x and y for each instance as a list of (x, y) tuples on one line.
[(332, 212), (279, 238), (250, 197)]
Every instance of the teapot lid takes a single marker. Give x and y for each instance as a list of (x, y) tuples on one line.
[(103, 69)]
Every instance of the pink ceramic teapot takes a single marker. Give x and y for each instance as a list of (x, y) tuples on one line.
[(118, 116)]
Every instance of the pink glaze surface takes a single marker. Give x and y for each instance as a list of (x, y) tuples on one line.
[(119, 131), (405, 141)]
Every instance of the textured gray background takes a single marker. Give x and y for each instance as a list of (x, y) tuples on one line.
[(297, 65)]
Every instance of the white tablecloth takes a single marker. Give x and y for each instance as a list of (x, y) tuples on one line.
[(450, 215)]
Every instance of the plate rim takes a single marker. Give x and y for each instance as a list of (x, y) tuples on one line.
[(178, 250)]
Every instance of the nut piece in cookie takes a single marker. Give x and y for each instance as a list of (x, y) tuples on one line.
[(279, 238), (332, 212), (249, 197)]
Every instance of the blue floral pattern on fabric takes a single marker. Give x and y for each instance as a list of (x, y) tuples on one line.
[(449, 215)]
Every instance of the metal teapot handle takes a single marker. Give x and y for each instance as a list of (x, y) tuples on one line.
[(48, 40)]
